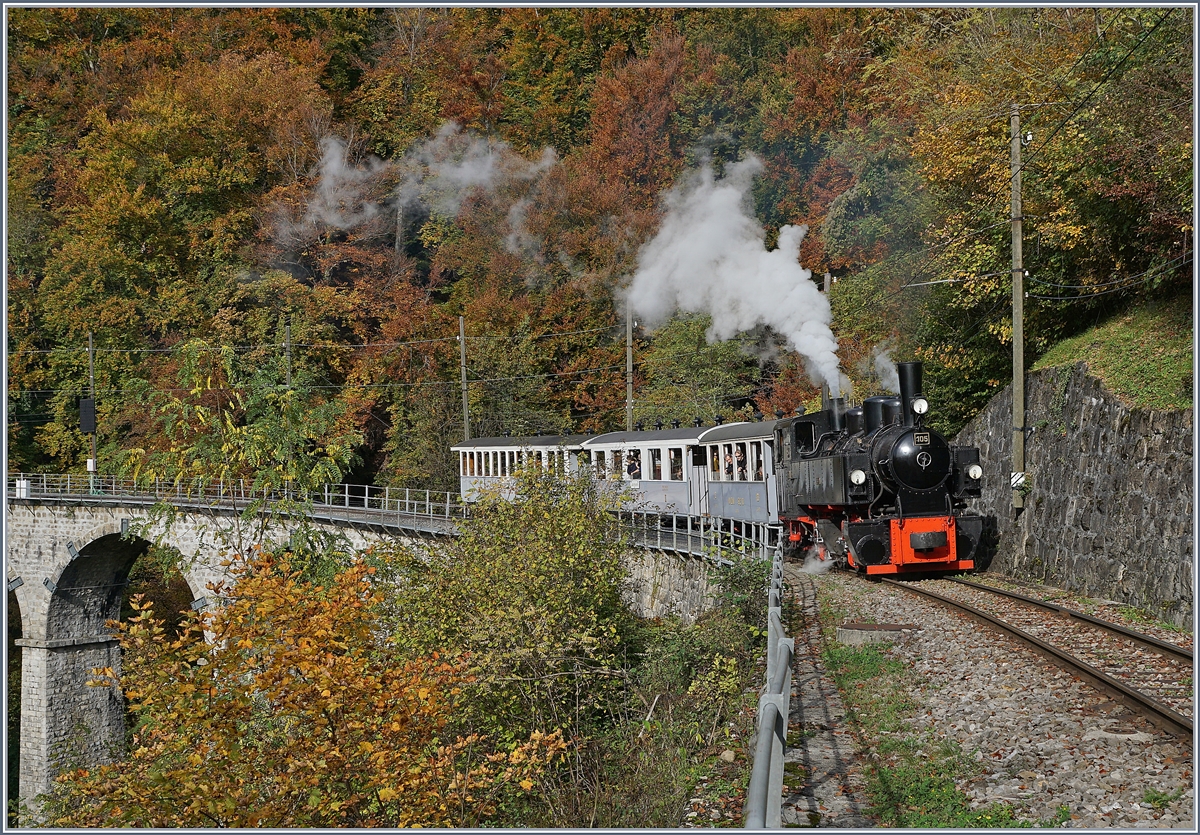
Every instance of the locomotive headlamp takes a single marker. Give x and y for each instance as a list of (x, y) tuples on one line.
[(975, 472), (857, 476), (920, 405)]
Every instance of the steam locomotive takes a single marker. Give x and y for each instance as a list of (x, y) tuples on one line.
[(875, 489), (869, 487)]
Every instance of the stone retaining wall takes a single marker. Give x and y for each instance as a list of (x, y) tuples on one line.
[(1109, 512), (665, 584)]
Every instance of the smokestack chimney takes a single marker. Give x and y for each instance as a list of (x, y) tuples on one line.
[(910, 388)]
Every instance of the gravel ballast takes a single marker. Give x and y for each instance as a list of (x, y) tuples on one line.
[(1040, 738)]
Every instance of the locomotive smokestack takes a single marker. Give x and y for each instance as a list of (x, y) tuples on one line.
[(910, 388)]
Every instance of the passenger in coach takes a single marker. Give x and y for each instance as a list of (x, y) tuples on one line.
[(634, 465), (741, 465)]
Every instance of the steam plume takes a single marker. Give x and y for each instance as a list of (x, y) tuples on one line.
[(710, 256), (341, 197), (885, 369), (437, 173)]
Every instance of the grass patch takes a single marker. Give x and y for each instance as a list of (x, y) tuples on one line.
[(918, 793), (1139, 616), (1160, 800), (1144, 356)]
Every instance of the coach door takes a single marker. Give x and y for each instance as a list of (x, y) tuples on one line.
[(698, 481)]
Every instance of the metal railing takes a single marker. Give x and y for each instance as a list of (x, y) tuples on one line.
[(708, 536), (764, 799), (395, 507)]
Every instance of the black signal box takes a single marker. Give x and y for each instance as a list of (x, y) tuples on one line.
[(87, 415)]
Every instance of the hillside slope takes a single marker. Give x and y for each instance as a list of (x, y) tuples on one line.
[(1144, 356)]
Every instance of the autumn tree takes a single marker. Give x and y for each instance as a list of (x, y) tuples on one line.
[(292, 713)]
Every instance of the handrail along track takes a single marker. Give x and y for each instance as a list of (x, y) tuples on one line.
[(422, 511), (764, 794)]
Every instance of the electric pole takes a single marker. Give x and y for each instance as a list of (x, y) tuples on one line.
[(628, 367), (1018, 313), (462, 353), (92, 468), (287, 349)]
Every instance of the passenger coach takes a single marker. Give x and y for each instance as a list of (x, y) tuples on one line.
[(725, 471)]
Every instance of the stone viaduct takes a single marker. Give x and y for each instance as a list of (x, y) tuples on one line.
[(68, 557)]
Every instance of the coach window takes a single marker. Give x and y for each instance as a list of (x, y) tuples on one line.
[(656, 465), (714, 462), (741, 463), (675, 460), (754, 461), (600, 459)]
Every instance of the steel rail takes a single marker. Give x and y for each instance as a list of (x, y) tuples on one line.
[(1162, 647), (1153, 710)]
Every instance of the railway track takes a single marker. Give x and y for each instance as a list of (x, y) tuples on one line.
[(1150, 676)]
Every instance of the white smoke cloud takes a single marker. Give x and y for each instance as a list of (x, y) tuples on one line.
[(814, 564), (710, 256), (885, 369), (438, 174), (341, 196)]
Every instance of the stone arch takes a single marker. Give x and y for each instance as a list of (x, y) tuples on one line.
[(89, 588)]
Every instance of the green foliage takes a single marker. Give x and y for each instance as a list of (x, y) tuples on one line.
[(1144, 356), (232, 420), (545, 641), (742, 588), (531, 596), (687, 377)]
